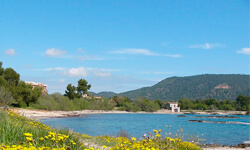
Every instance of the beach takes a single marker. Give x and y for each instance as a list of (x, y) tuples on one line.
[(36, 114)]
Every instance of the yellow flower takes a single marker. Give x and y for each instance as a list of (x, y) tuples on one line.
[(104, 146), (133, 139), (28, 139), (61, 138), (28, 134), (41, 138)]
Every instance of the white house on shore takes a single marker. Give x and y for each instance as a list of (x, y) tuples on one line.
[(173, 106)]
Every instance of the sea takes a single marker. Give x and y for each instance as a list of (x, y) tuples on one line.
[(207, 129)]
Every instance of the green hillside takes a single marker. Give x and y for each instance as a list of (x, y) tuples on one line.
[(106, 94), (220, 87)]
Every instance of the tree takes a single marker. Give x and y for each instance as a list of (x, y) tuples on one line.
[(1, 69), (25, 94), (242, 103), (71, 91), (160, 103), (185, 104), (11, 76), (5, 97), (83, 87)]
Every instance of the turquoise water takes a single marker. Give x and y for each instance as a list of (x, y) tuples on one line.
[(139, 124)]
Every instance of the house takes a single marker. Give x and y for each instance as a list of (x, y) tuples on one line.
[(173, 106), (43, 86)]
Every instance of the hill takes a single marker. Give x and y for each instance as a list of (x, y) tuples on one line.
[(106, 94), (220, 87)]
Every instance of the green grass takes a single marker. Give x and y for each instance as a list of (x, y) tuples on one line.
[(13, 127)]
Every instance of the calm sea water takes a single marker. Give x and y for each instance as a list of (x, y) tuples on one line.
[(138, 124)]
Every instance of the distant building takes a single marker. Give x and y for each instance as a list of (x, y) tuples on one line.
[(43, 86), (173, 106), (85, 96)]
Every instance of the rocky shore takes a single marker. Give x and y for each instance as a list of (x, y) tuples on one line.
[(241, 146)]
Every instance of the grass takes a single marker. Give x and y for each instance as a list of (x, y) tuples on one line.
[(20, 133), (17, 131)]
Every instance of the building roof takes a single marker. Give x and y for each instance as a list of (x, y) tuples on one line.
[(35, 84)]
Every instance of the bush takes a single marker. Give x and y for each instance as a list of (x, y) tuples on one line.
[(5, 97), (58, 102), (147, 105)]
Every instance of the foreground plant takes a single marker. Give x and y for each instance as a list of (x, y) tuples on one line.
[(20, 133), (154, 141)]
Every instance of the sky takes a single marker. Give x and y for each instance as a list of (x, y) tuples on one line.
[(122, 45)]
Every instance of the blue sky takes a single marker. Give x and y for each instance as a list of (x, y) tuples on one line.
[(119, 45)]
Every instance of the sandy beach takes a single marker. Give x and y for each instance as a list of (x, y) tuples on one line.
[(36, 114)]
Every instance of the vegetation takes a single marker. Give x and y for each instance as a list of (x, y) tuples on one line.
[(219, 87), (242, 103), (14, 91), (19, 133), (77, 92), (104, 94)]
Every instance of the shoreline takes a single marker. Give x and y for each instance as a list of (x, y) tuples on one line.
[(43, 114)]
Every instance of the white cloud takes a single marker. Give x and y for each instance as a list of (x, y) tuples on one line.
[(244, 51), (54, 52), (205, 46), (134, 51), (11, 52), (54, 69), (76, 72), (81, 71), (103, 69), (174, 56), (101, 74)]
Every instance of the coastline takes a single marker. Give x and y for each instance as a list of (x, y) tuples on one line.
[(38, 114)]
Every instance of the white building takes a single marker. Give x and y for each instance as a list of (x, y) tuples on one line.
[(43, 86), (173, 106)]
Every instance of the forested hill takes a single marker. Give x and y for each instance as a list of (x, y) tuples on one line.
[(220, 87), (105, 94)]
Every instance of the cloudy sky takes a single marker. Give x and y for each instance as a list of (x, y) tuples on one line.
[(119, 45)]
